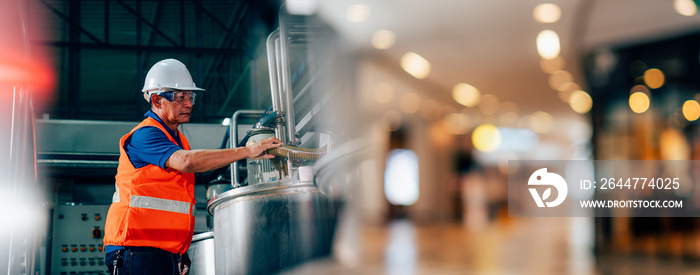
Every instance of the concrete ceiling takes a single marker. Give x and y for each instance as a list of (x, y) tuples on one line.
[(491, 44)]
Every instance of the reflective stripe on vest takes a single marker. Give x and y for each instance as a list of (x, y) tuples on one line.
[(160, 204), (115, 197)]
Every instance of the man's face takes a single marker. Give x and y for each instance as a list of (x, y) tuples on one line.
[(177, 111)]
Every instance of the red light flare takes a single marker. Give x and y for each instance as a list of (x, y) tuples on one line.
[(23, 64)]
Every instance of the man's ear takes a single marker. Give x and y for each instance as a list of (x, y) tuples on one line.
[(155, 100)]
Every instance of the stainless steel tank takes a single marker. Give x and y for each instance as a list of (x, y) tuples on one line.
[(265, 228), (201, 253)]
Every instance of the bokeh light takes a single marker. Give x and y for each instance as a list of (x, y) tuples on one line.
[(548, 44), (466, 94), (547, 13), (691, 110), (383, 39), (654, 78), (558, 78), (415, 65), (541, 122), (357, 13), (401, 177), (639, 102), (685, 7), (580, 102), (486, 138), (566, 90)]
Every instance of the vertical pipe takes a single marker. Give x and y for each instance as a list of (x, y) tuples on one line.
[(233, 134), (281, 128), (286, 82), (274, 81)]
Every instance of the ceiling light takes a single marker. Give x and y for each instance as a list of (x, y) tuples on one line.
[(357, 13), (547, 13), (415, 65), (383, 39), (466, 94), (548, 44)]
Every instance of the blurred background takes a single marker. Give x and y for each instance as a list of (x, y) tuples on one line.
[(441, 95)]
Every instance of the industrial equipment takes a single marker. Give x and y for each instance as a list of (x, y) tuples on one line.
[(76, 242), (201, 253), (275, 216)]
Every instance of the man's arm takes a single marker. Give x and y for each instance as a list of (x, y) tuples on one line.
[(202, 160)]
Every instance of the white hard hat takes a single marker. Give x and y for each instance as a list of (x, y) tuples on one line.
[(168, 74)]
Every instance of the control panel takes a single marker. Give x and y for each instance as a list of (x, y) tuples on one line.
[(76, 246)]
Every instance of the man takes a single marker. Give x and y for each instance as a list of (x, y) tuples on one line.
[(150, 223)]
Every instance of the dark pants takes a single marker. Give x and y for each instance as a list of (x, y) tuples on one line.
[(142, 260)]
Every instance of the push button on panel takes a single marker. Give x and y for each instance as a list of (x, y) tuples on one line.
[(97, 232)]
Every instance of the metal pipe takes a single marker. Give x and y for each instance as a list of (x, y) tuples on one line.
[(286, 83), (233, 133), (280, 130), (274, 80)]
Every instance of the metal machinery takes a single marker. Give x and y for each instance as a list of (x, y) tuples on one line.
[(202, 254), (77, 239), (277, 216)]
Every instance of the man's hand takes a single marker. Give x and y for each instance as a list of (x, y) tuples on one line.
[(257, 150), (184, 264)]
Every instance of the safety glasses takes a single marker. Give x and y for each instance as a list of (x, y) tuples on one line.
[(179, 97)]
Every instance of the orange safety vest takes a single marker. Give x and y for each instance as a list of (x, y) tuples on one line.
[(152, 206)]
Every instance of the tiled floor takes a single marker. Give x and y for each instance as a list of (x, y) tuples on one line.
[(512, 246)]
